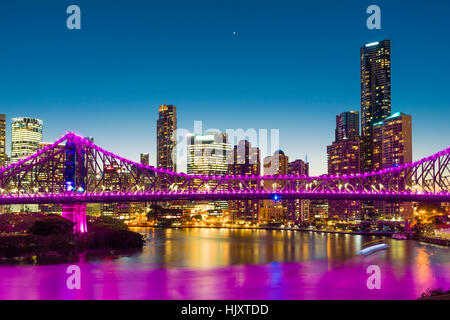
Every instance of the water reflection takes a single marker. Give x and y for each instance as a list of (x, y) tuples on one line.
[(204, 248), (240, 264)]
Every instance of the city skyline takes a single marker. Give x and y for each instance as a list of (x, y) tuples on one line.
[(233, 150), (249, 88)]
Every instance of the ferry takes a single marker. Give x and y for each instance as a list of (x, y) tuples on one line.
[(373, 246), (399, 236)]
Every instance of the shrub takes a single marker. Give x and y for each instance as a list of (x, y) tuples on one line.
[(15, 245), (51, 226), (434, 292), (100, 237)]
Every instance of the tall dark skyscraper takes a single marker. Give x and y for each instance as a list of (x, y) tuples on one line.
[(375, 94), (347, 126), (166, 139)]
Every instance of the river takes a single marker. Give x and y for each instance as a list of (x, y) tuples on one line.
[(203, 263)]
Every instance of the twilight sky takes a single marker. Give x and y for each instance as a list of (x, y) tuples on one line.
[(290, 66)]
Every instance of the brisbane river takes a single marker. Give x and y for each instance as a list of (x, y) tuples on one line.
[(201, 263)]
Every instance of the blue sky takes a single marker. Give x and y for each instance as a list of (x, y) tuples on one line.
[(290, 66)]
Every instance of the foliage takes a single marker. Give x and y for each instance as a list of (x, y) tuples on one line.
[(101, 237), (41, 234), (51, 225), (15, 245), (17, 223), (108, 222), (434, 292)]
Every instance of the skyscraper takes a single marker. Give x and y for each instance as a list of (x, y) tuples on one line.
[(347, 126), (270, 210), (276, 164), (344, 158), (3, 155), (145, 158), (393, 147), (375, 94), (166, 139), (245, 162), (207, 155), (26, 134), (395, 140), (55, 176), (298, 208)]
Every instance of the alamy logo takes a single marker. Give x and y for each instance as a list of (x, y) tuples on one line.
[(74, 280), (374, 21), (374, 280), (74, 20)]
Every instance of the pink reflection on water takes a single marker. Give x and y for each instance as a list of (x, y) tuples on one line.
[(306, 280)]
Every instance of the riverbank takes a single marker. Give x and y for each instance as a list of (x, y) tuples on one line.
[(438, 241), (366, 233), (30, 237), (442, 242)]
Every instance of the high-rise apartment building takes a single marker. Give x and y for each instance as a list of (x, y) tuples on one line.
[(276, 164), (394, 140), (347, 126), (26, 134), (3, 156), (270, 210), (344, 158), (245, 161), (393, 147), (166, 139), (298, 208), (375, 61), (145, 159), (47, 178)]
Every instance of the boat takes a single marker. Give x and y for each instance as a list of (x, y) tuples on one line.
[(373, 246), (399, 236)]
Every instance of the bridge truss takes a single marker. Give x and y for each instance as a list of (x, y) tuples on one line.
[(75, 170)]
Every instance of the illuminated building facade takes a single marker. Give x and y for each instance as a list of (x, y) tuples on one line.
[(393, 145), (298, 208), (207, 154), (344, 158), (43, 179), (111, 182), (274, 210), (3, 156), (166, 139), (347, 126), (26, 134), (375, 94), (145, 159), (245, 161)]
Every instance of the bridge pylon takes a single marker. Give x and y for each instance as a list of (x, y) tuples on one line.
[(77, 214)]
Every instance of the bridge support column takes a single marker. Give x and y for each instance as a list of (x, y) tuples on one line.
[(77, 214)]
